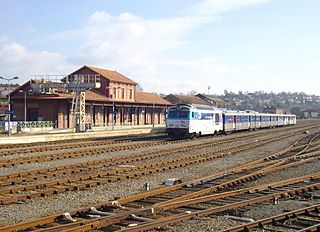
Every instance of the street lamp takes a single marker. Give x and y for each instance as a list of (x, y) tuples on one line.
[(25, 104), (9, 107)]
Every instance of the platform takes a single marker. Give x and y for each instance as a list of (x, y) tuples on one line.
[(56, 135)]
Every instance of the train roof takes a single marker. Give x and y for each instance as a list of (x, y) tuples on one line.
[(233, 112), (226, 111), (195, 106)]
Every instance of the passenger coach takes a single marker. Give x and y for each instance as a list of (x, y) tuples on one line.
[(195, 120)]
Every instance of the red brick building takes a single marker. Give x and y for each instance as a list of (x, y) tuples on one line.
[(132, 107)]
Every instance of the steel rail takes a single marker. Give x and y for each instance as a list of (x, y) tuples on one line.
[(113, 161), (270, 168), (97, 143), (74, 154), (170, 205), (198, 199), (309, 143), (186, 216), (109, 161), (85, 185), (310, 228), (242, 179), (89, 144), (54, 217), (117, 171), (155, 208), (113, 219), (51, 218), (284, 216)]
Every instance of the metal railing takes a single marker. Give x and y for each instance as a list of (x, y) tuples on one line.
[(35, 124), (108, 126)]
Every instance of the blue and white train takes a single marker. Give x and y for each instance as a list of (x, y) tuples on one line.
[(196, 120)]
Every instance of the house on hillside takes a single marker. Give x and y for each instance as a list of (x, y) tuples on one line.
[(5, 89), (311, 113), (273, 110)]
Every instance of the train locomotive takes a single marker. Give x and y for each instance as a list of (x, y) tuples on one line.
[(190, 120)]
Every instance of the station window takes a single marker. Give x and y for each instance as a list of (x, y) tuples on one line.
[(122, 92)]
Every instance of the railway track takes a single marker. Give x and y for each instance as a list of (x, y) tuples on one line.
[(28, 191), (90, 149), (217, 203), (248, 172), (76, 153), (94, 165), (305, 219), (137, 218), (7, 150)]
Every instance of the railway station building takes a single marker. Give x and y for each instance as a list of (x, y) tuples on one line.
[(116, 91)]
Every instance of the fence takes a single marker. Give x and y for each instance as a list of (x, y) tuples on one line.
[(18, 126), (108, 126), (35, 124)]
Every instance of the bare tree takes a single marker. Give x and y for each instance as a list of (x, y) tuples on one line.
[(139, 87), (192, 93)]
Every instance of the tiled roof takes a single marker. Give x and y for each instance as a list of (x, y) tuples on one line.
[(112, 75), (150, 98), (178, 99)]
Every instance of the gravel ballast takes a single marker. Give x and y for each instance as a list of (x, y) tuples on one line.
[(70, 201)]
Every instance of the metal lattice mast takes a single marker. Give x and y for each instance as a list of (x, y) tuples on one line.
[(82, 109)]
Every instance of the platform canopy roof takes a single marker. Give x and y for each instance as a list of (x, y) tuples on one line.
[(183, 99)]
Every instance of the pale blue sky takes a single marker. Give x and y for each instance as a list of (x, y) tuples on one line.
[(168, 46)]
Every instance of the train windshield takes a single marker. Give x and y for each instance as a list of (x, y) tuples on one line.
[(178, 114), (172, 114), (184, 114)]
